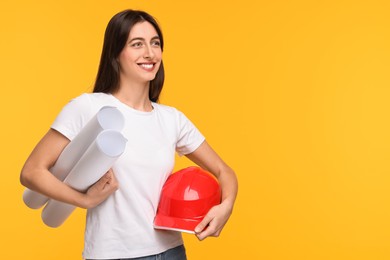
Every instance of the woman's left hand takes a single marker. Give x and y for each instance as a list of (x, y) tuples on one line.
[(214, 221), (216, 218)]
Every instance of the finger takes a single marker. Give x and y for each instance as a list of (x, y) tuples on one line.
[(113, 178), (104, 180), (112, 183), (209, 231), (203, 224), (109, 174), (212, 229)]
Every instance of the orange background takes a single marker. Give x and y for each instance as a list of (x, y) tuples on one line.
[(294, 95)]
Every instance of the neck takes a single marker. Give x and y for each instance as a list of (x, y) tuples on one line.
[(134, 95)]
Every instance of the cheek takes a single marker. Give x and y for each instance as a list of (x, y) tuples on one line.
[(126, 60), (159, 54), (127, 55), (121, 59), (159, 58)]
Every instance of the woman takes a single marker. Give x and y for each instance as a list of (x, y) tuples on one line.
[(122, 204)]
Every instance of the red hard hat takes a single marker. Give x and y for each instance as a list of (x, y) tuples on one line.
[(186, 197)]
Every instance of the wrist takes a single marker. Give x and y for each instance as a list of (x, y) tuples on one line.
[(228, 204), (82, 200)]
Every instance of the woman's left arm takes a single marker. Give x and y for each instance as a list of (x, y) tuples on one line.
[(216, 218)]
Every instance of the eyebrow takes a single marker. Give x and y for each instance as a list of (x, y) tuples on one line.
[(143, 39)]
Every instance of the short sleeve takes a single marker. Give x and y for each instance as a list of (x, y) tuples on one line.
[(73, 116), (190, 138)]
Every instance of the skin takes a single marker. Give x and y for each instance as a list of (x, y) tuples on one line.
[(139, 62)]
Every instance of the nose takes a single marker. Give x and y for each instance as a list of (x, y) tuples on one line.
[(149, 53)]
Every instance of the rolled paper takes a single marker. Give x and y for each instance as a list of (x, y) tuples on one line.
[(106, 118), (97, 160)]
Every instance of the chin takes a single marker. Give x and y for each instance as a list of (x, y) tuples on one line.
[(150, 78)]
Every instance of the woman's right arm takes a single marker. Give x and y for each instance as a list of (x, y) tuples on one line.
[(36, 176)]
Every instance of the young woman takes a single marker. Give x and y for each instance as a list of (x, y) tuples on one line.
[(122, 204)]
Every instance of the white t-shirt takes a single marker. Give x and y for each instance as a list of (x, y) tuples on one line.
[(122, 226)]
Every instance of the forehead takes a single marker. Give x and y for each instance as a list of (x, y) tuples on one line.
[(142, 30)]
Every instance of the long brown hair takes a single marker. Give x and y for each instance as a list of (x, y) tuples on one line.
[(115, 38)]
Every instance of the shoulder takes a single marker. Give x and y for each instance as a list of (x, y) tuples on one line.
[(77, 112), (90, 102), (95, 98), (164, 108), (98, 97), (174, 115), (168, 110)]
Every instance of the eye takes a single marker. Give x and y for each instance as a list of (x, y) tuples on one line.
[(136, 44), (156, 43)]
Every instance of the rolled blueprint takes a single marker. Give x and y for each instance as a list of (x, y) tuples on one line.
[(106, 118), (97, 160)]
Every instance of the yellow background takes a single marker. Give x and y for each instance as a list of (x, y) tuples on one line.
[(294, 95)]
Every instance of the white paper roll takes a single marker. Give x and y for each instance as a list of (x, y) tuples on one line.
[(96, 161), (106, 118)]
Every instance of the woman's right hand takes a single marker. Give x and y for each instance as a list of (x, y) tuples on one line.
[(36, 176), (100, 191)]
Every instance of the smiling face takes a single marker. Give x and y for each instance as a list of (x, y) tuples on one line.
[(140, 59)]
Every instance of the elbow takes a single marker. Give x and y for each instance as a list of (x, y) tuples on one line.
[(23, 179), (26, 177)]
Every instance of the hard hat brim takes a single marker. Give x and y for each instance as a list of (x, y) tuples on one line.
[(176, 224)]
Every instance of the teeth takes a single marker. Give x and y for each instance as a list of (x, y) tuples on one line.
[(147, 66)]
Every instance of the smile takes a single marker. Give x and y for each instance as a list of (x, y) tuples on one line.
[(147, 66)]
